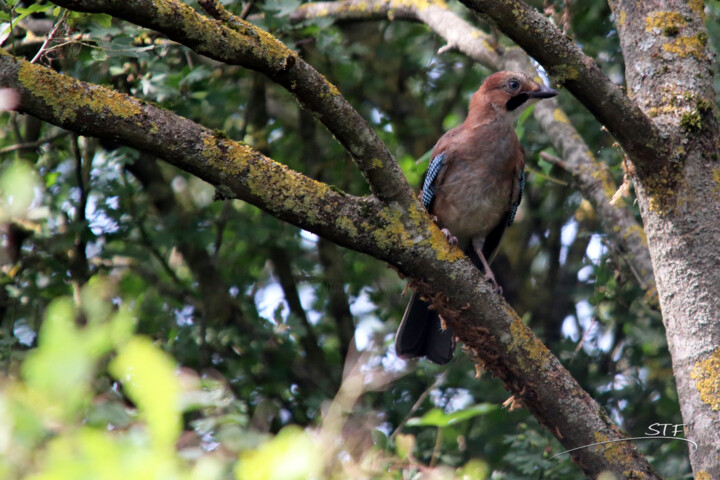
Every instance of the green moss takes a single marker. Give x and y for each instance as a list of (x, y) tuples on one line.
[(559, 116), (703, 105), (66, 96), (691, 121), (716, 178), (563, 73), (337, 190), (531, 348), (290, 191), (347, 225), (698, 7)]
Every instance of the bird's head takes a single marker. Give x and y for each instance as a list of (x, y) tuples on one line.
[(507, 94)]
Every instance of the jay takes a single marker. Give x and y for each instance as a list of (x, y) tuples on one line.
[(472, 187)]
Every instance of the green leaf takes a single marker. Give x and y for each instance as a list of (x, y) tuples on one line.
[(17, 189), (438, 418), (290, 455), (60, 369), (148, 376)]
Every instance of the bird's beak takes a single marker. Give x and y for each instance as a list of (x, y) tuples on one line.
[(544, 92)]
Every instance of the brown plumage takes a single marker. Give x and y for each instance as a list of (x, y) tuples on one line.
[(473, 187)]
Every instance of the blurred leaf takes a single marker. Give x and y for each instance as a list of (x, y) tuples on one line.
[(404, 445), (60, 368), (291, 455), (17, 190), (148, 376), (437, 418)]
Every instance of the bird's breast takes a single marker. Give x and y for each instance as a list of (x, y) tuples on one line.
[(472, 201)]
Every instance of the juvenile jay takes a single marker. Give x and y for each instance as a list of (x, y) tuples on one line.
[(472, 187)]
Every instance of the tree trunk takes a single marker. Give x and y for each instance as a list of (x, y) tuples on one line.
[(669, 74)]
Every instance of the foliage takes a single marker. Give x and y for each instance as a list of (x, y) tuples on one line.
[(149, 331)]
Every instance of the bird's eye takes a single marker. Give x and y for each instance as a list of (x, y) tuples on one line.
[(514, 85)]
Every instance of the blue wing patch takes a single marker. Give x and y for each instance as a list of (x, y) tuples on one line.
[(513, 210), (428, 190)]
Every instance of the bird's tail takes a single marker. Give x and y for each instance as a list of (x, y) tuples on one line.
[(421, 334)]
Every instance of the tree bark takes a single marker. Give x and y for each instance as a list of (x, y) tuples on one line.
[(668, 129), (403, 236), (669, 74), (591, 177)]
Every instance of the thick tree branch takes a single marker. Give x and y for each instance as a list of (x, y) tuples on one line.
[(246, 45), (568, 65), (405, 238), (591, 177), (669, 70), (596, 184)]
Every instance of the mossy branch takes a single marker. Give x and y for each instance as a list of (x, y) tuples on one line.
[(591, 177), (405, 238), (244, 44), (569, 66)]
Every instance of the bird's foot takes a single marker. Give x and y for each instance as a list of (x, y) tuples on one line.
[(489, 277), (452, 239)]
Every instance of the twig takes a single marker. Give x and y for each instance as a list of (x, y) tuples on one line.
[(554, 160), (50, 37), (32, 145), (440, 379)]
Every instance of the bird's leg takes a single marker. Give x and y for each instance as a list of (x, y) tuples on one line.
[(489, 277), (452, 239)]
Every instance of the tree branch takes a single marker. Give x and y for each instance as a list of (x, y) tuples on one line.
[(591, 177), (246, 45), (596, 184), (434, 14), (405, 238), (568, 65)]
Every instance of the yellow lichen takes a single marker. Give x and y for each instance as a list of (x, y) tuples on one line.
[(698, 6), (347, 225), (560, 116), (67, 96), (290, 190), (622, 17), (716, 178), (702, 475), (666, 21), (706, 374), (688, 45), (436, 240), (523, 339), (613, 452), (636, 230), (585, 211), (562, 73), (418, 4), (387, 236)]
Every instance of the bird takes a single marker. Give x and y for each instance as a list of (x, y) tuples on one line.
[(472, 189)]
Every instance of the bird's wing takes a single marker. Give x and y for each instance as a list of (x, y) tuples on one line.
[(437, 165), (517, 198)]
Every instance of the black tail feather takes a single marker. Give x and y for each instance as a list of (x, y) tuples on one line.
[(421, 334)]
